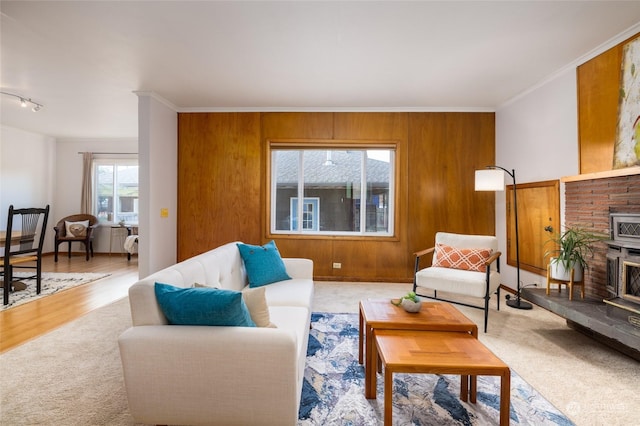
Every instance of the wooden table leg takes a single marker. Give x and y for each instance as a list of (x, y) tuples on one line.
[(474, 389), (505, 397), (369, 370), (464, 388), (360, 335), (388, 396)]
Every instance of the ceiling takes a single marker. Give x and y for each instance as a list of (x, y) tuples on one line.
[(85, 59)]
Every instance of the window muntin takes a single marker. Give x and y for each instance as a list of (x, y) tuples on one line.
[(116, 188), (342, 181)]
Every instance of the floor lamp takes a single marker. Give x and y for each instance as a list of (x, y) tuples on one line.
[(492, 179)]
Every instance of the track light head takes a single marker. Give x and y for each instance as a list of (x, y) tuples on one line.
[(24, 102)]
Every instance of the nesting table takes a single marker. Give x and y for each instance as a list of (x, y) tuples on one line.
[(438, 353), (437, 340), (380, 314)]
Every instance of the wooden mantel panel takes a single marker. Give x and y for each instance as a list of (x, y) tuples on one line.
[(598, 87)]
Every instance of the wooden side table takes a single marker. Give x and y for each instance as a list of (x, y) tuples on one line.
[(117, 229), (380, 314), (437, 352)]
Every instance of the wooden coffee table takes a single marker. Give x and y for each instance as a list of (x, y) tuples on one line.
[(380, 314), (438, 353)]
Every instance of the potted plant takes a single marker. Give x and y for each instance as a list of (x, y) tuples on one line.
[(410, 303), (573, 246)]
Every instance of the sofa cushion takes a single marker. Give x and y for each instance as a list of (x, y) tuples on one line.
[(470, 283), (468, 259), (294, 292), (263, 264), (202, 306)]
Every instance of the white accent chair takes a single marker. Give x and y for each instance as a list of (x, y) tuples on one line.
[(460, 281)]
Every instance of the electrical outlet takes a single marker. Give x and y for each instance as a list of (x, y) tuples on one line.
[(337, 265)]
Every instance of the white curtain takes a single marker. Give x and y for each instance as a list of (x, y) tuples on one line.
[(87, 193)]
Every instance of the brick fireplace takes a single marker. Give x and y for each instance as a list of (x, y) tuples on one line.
[(589, 203), (592, 201)]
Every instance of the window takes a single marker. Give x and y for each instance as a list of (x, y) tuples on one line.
[(309, 214), (345, 191), (115, 192)]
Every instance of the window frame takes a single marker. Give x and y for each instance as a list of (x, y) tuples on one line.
[(115, 162), (321, 144)]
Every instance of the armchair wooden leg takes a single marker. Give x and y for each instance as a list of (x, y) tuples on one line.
[(69, 251)]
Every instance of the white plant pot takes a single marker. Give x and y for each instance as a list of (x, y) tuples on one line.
[(411, 306), (559, 272)]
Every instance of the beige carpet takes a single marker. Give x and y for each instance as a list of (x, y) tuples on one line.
[(72, 376)]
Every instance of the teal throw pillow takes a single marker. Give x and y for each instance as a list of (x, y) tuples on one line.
[(202, 306), (263, 264)]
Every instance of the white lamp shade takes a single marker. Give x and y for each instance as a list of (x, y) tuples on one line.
[(489, 180)]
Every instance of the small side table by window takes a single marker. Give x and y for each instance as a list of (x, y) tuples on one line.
[(119, 231)]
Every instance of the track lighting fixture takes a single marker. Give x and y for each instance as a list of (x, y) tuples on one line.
[(24, 102)]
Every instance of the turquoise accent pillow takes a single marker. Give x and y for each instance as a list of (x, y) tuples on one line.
[(203, 306), (263, 264)]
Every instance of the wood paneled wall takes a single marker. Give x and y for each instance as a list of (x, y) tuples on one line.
[(598, 96), (222, 184), (219, 175)]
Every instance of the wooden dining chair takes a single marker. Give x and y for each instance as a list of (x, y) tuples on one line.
[(24, 238)]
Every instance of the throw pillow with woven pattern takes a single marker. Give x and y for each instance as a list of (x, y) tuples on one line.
[(469, 259)]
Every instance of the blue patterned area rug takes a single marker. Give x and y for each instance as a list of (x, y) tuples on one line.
[(333, 390)]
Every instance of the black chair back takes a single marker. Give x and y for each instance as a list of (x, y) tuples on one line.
[(33, 224), (23, 243)]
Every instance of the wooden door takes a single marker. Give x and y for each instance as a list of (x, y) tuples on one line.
[(538, 218)]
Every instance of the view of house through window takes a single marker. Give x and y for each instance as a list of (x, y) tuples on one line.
[(116, 190), (344, 191)]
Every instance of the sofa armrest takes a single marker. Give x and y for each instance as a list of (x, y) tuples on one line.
[(299, 268), (235, 375)]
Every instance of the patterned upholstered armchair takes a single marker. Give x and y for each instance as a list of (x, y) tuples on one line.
[(467, 265), (77, 227)]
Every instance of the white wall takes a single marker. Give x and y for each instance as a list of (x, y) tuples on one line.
[(27, 168), (158, 176), (537, 135), (68, 183), (36, 170)]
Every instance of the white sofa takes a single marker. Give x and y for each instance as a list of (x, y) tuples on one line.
[(208, 375)]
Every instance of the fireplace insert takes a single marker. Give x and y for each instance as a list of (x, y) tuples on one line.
[(623, 268)]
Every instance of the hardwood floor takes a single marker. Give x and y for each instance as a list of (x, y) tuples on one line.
[(30, 320)]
